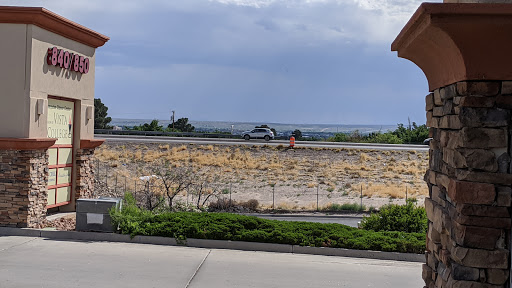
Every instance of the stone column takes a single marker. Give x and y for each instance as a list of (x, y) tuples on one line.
[(461, 49), (469, 184), (23, 181), (85, 168)]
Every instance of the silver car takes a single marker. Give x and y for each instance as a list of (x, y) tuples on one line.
[(258, 133)]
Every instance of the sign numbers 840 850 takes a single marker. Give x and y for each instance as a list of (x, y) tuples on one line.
[(67, 60)]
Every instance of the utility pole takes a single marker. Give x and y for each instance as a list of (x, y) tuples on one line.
[(172, 119)]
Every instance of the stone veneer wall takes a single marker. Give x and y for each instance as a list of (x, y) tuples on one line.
[(23, 191), (468, 239), (85, 173)]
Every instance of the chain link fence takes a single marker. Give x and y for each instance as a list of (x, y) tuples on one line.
[(150, 191)]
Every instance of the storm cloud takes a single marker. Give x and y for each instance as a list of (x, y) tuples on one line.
[(312, 61)]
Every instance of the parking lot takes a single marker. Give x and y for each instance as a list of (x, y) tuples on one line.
[(40, 262)]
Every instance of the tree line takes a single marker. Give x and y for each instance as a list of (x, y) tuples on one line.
[(181, 125), (413, 134), (101, 121), (402, 135)]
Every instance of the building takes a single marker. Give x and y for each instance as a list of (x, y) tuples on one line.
[(46, 114)]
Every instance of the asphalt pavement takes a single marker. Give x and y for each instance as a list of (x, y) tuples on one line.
[(257, 142), (39, 262), (349, 220)]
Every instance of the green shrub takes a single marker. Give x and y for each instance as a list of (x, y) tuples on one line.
[(223, 226), (223, 204), (354, 207), (387, 137), (405, 218), (339, 137), (412, 134)]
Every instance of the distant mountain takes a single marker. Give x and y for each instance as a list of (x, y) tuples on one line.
[(308, 130)]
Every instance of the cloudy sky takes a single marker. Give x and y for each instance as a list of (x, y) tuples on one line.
[(280, 61)]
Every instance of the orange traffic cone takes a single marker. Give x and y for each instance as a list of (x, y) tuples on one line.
[(292, 142)]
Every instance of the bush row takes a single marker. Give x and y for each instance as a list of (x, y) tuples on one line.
[(223, 226), (401, 135)]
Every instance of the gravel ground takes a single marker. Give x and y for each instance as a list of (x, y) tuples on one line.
[(290, 179)]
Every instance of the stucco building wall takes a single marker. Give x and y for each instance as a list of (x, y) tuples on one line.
[(29, 78), (14, 81), (47, 80), (27, 81)]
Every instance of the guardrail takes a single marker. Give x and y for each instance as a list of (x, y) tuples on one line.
[(161, 133), (173, 134)]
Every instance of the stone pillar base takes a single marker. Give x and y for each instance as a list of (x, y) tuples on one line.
[(23, 181), (470, 185), (85, 168)]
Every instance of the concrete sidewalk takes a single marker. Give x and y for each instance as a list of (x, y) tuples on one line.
[(41, 262)]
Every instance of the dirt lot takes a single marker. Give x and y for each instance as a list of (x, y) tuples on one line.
[(287, 178)]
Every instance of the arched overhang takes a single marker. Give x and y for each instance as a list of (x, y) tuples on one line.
[(455, 42)]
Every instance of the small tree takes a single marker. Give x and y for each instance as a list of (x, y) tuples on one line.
[(153, 126), (297, 134), (149, 198), (414, 134), (100, 115), (205, 187), (182, 125), (175, 180)]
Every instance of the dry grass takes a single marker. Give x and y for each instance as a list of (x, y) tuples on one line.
[(363, 157), (382, 173), (311, 185), (286, 206), (391, 190)]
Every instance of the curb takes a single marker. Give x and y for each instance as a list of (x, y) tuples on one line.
[(211, 244), (239, 245), (325, 216)]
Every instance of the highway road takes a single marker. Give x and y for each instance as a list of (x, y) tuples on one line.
[(221, 141), (349, 220)]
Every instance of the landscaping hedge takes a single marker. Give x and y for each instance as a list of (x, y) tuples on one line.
[(224, 226), (392, 217)]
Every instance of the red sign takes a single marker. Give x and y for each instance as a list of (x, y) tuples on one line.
[(67, 60)]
